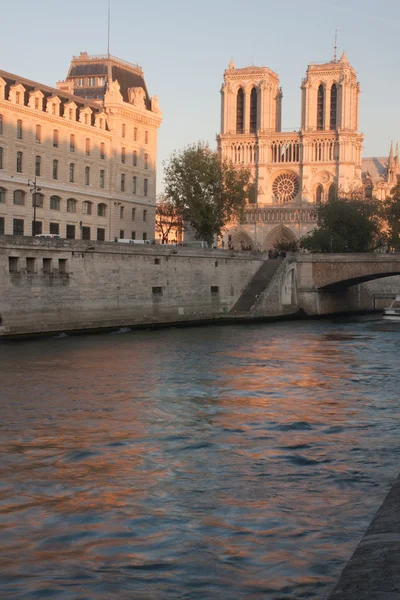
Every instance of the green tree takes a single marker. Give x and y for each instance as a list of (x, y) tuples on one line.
[(351, 224), (208, 192), (392, 215)]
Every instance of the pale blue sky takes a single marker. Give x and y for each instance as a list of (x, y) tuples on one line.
[(185, 45)]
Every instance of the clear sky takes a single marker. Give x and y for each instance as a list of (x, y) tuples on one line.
[(185, 45)]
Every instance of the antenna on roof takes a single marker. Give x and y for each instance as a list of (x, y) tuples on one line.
[(335, 48), (109, 26)]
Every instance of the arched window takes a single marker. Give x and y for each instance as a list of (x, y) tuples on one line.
[(71, 205), (101, 210), (332, 192), (253, 110), (2, 195), (240, 111), (333, 120), (87, 208), (19, 197), (319, 194), (320, 107), (55, 202)]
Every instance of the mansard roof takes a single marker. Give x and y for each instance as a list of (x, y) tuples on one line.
[(48, 92), (127, 74)]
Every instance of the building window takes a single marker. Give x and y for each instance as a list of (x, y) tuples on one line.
[(134, 184), (123, 130), (55, 228), (18, 97), (70, 232), (55, 203), (37, 227), (71, 172), (19, 162), (332, 192), (320, 107), (121, 212), (123, 155), (122, 182), (145, 187), (55, 169), (135, 134), (71, 114), (133, 213), (144, 236), (87, 175), (146, 161), (1, 124), (1, 158), (253, 110), (37, 200), (87, 147), (38, 134), (91, 81), (71, 205), (72, 143), (333, 119), (19, 129), (38, 163), (133, 236), (37, 103), (102, 150), (86, 119), (101, 234), (145, 215), (2, 225), (87, 208), (101, 210), (121, 234), (53, 108), (134, 158), (18, 227), (81, 81), (102, 179), (55, 138), (86, 233), (101, 81), (146, 137), (2, 195), (240, 111), (19, 198), (319, 194)]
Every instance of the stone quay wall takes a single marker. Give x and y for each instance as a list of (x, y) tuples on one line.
[(52, 285)]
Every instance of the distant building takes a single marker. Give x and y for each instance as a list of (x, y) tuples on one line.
[(293, 171), (380, 174), (90, 146)]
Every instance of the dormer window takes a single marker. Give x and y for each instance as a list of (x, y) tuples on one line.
[(37, 103), (18, 97)]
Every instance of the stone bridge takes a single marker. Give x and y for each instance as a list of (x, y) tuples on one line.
[(332, 283)]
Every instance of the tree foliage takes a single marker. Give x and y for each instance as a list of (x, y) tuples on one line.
[(391, 207), (346, 224), (167, 218), (207, 191)]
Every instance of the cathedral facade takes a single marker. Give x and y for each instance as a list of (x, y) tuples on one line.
[(292, 171)]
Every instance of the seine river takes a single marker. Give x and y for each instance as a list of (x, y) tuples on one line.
[(194, 464)]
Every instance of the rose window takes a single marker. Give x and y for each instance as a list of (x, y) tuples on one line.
[(285, 187)]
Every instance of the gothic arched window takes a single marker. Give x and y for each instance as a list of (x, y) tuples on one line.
[(253, 110), (320, 107), (333, 120), (332, 192), (240, 111), (319, 194)]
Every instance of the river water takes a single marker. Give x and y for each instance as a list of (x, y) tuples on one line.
[(203, 463)]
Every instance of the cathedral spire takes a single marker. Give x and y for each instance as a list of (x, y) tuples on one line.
[(335, 48)]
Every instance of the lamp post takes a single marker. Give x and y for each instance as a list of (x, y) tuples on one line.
[(34, 189)]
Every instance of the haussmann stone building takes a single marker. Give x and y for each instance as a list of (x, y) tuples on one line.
[(294, 170), (87, 148)]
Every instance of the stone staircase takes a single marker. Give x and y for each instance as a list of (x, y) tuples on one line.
[(256, 286)]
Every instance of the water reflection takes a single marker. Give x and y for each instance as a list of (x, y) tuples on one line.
[(236, 462)]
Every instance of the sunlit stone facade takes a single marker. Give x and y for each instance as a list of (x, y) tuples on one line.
[(292, 170), (89, 145)]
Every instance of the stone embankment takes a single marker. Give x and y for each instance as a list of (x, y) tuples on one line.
[(373, 572)]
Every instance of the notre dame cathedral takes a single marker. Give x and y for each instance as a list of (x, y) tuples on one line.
[(293, 171)]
